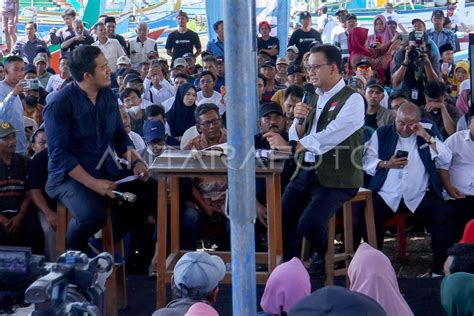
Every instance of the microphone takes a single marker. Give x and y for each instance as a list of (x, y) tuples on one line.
[(308, 92), (125, 196)]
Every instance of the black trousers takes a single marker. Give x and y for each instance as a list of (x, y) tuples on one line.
[(307, 207), (435, 213), (463, 210)]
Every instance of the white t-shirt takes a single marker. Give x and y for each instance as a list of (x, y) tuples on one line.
[(54, 83), (216, 98), (391, 16), (327, 23)]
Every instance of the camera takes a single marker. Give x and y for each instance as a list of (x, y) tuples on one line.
[(418, 38), (68, 287), (30, 84)]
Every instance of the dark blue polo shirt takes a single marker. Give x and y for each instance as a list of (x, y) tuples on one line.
[(81, 133)]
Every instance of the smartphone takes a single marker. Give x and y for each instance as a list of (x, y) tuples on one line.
[(401, 154), (445, 68), (28, 129)]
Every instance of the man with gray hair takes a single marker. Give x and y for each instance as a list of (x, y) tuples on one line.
[(140, 46), (402, 160), (78, 38)]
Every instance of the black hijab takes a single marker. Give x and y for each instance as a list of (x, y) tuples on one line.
[(181, 117)]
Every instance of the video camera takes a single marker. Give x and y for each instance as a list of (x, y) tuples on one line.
[(67, 287), (416, 51)]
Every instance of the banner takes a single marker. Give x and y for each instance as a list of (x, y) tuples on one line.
[(275, 12)]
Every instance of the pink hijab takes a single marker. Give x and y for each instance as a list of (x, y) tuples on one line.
[(287, 285), (201, 309), (386, 36), (372, 274)]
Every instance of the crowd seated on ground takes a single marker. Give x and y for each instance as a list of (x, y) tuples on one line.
[(114, 106)]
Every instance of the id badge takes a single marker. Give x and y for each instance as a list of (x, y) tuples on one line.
[(414, 94)]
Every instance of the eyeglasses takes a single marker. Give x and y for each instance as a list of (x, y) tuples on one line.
[(363, 68), (313, 68), (214, 122)]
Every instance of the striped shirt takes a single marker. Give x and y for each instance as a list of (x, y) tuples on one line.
[(12, 183)]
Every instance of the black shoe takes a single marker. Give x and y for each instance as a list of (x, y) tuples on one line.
[(316, 265)]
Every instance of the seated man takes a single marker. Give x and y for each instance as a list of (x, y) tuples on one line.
[(155, 138), (401, 158), (460, 259), (137, 140), (293, 95), (19, 225), (376, 115), (196, 278), (134, 106), (209, 193), (457, 176)]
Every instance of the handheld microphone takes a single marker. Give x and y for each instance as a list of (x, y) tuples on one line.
[(125, 196), (308, 93)]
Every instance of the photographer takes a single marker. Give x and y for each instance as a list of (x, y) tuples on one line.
[(413, 66)]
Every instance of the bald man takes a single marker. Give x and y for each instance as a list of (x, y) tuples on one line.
[(402, 159)]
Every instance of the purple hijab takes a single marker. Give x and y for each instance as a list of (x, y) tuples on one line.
[(386, 35)]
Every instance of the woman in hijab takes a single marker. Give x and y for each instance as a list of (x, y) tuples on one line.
[(372, 274), (457, 294), (468, 236), (382, 37), (462, 102), (461, 73), (181, 115), (287, 285)]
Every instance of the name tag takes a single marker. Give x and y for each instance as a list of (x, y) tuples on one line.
[(414, 94)]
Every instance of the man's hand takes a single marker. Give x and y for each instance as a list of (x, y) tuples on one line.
[(51, 219), (18, 88), (79, 37), (262, 214), (301, 110), (406, 61), (434, 105), (420, 131), (12, 227), (395, 163), (103, 187), (277, 142), (141, 169), (455, 193)]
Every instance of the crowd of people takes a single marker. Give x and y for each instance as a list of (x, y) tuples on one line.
[(391, 112)]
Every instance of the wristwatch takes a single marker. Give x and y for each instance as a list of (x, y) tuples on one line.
[(431, 141), (293, 144)]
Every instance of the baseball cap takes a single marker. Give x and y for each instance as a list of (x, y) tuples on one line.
[(206, 53), (179, 62), (6, 129), (132, 78), (389, 5), (294, 49), (270, 107), (364, 62), (123, 60), (417, 20), (39, 59), (153, 130), (162, 60), (282, 60), (188, 56), (294, 69), (268, 63), (30, 68), (340, 10), (152, 55), (198, 271), (374, 83), (315, 43), (350, 16), (220, 60), (264, 23), (437, 14), (304, 15), (201, 309)]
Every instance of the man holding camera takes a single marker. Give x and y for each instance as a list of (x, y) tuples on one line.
[(414, 66), (402, 159)]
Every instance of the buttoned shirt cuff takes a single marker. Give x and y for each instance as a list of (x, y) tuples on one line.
[(311, 144)]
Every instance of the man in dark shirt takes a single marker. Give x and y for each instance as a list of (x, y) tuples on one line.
[(19, 226), (76, 39), (303, 37), (182, 40), (84, 131), (266, 43)]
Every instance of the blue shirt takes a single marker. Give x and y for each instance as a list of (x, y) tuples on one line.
[(81, 133), (441, 38), (216, 47), (11, 110)]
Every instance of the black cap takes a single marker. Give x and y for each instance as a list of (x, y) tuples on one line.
[(188, 56), (437, 14), (445, 47), (417, 20), (364, 61), (374, 83), (350, 16), (270, 107), (132, 77), (268, 63), (220, 60), (294, 68), (315, 43), (206, 53), (304, 15), (30, 68)]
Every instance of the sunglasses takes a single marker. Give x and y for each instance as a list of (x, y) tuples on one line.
[(364, 68)]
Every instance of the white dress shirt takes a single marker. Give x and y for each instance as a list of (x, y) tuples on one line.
[(137, 141), (461, 167), (347, 122), (112, 51), (216, 99), (410, 182), (158, 96)]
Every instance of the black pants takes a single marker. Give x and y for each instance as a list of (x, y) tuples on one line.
[(434, 212), (307, 207), (463, 210), (30, 233)]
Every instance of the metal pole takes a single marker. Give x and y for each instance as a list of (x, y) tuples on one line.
[(241, 80)]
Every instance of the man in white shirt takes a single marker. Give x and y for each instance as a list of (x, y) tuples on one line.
[(391, 15), (156, 88), (141, 45), (326, 135), (55, 81), (457, 176), (326, 24), (109, 46), (341, 14), (207, 81), (402, 159)]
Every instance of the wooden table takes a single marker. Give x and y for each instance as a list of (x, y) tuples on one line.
[(183, 165)]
